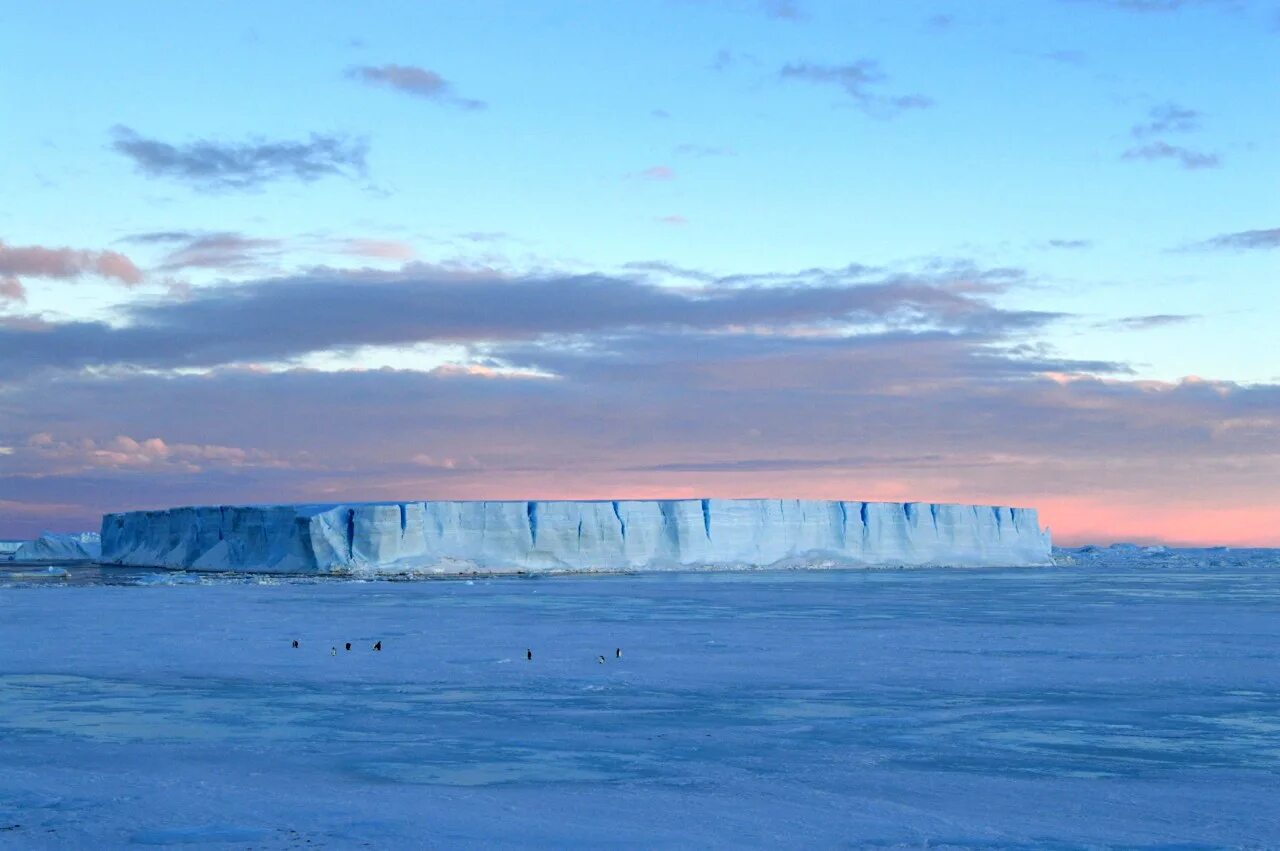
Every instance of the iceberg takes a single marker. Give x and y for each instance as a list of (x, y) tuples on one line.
[(54, 546), (451, 537)]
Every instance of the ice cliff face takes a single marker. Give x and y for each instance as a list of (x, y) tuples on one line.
[(52, 546), (460, 537)]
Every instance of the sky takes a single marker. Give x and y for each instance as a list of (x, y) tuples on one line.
[(1018, 252)]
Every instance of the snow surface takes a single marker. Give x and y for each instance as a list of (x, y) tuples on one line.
[(461, 537), (54, 546), (1129, 699)]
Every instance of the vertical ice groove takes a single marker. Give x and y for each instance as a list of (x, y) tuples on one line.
[(706, 518), (933, 512), (351, 534), (531, 511), (622, 524), (403, 519)]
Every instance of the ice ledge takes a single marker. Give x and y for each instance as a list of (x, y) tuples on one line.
[(553, 536)]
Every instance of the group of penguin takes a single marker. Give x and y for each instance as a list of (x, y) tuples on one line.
[(617, 654), (333, 651), (528, 654)]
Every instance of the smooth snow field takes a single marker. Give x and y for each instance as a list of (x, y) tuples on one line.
[(1126, 699)]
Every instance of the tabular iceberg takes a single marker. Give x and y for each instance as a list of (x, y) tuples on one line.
[(551, 536), (54, 546)]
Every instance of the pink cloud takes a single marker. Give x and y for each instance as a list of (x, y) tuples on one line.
[(11, 289), (389, 249), (659, 172), (39, 262), (123, 452)]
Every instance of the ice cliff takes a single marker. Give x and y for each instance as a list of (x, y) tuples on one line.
[(52, 546), (538, 536)]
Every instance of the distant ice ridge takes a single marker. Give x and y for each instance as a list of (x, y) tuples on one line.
[(548, 536), (53, 546)]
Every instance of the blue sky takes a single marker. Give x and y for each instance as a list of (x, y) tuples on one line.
[(1109, 165)]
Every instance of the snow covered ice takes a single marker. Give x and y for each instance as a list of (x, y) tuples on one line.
[(455, 537), (1129, 698), (54, 546)]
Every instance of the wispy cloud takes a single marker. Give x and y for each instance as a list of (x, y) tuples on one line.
[(658, 172), (244, 165), (861, 81), (1188, 158), (37, 261), (1069, 244), (415, 81), (1153, 320), (787, 10), (60, 457), (674, 219), (1158, 6), (1168, 118), (385, 249), (1268, 238), (222, 251)]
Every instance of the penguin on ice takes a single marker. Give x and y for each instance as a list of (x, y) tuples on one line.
[(617, 653), (333, 651), (528, 655), (378, 646), (295, 644), (600, 659), (348, 645)]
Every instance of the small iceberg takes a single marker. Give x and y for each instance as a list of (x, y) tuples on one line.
[(47, 573)]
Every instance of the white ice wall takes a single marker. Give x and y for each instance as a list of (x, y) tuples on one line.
[(54, 546), (457, 537)]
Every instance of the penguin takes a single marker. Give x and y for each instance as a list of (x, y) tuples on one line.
[(600, 659), (378, 647), (348, 645), (295, 644), (617, 654), (333, 651), (528, 655)]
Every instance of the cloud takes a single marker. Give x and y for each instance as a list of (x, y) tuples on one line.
[(224, 165), (415, 81), (1155, 320), (843, 382), (222, 251), (1186, 157), (35, 261), (787, 10), (1158, 6), (1069, 244), (1065, 57), (1245, 240), (384, 249), (674, 219), (893, 415), (12, 290), (859, 80), (59, 457), (1168, 118), (283, 318), (658, 172)]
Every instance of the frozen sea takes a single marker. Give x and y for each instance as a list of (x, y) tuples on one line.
[(1123, 699)]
